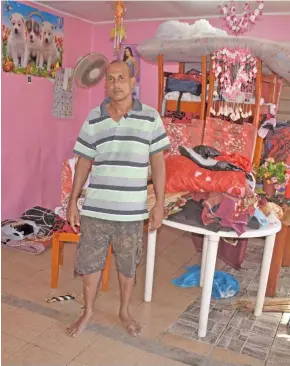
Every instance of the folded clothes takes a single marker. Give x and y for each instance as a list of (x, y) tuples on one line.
[(219, 212)]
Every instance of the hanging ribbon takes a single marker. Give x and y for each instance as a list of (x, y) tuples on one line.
[(118, 33)]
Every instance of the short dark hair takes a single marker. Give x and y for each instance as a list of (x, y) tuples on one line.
[(120, 62)]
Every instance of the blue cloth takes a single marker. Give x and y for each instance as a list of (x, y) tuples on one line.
[(262, 219), (224, 284)]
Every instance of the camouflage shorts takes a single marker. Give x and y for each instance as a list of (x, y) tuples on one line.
[(96, 237)]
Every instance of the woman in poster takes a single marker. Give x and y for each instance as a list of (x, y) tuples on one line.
[(131, 61)]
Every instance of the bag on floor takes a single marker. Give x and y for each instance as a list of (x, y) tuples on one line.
[(43, 217)]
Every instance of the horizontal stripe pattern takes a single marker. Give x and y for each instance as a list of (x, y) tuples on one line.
[(123, 139), (123, 156), (114, 212), (118, 188), (84, 143), (132, 164), (117, 181), (138, 130), (98, 120), (116, 205), (143, 118), (118, 185), (115, 217)]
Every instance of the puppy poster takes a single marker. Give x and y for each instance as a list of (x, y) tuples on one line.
[(129, 54), (32, 40)]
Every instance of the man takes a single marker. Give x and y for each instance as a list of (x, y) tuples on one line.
[(116, 141)]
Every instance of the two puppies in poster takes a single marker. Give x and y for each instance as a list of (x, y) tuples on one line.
[(32, 40)]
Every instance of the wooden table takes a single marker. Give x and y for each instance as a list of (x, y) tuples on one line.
[(281, 257)]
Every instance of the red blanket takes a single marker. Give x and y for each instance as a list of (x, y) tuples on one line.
[(183, 175)]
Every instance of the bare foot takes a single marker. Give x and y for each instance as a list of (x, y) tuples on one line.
[(133, 327), (79, 326)]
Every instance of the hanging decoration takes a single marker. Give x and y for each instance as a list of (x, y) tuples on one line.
[(118, 33), (238, 25), (235, 73)]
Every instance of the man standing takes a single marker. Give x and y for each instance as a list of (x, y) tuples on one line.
[(116, 141)]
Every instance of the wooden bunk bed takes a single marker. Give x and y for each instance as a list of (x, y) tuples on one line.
[(255, 108), (270, 91), (195, 107), (267, 86)]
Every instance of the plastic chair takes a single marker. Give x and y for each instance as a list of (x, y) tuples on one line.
[(58, 241)]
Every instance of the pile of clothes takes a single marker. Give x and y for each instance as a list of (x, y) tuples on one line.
[(33, 231), (231, 210)]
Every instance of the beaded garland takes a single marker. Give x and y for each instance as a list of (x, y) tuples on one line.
[(239, 25)]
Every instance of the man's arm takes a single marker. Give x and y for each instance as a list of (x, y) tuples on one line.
[(159, 143), (82, 171), (86, 152), (158, 177)]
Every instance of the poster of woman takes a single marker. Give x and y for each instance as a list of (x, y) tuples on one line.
[(32, 40), (129, 55)]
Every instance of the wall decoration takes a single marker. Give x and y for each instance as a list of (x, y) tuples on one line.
[(128, 53), (32, 40), (62, 106), (238, 25), (235, 73), (118, 33)]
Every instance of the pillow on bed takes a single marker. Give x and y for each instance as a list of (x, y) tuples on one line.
[(183, 175)]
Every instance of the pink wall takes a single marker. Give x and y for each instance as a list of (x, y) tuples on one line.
[(34, 144), (276, 28)]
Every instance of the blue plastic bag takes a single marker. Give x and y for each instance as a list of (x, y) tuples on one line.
[(224, 284)]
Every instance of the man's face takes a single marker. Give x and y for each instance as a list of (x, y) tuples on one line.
[(119, 84)]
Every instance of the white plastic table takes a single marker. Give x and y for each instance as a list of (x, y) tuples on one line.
[(209, 255)]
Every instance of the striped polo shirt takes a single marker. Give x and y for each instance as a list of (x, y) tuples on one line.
[(120, 152)]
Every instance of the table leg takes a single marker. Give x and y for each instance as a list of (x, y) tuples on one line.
[(203, 259), (210, 262), (150, 262), (286, 255), (276, 262), (265, 269)]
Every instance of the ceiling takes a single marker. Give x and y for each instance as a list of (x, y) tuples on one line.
[(103, 11)]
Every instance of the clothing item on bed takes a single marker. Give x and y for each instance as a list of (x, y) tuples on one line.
[(277, 143), (170, 198), (186, 97), (199, 214), (229, 211), (211, 163), (266, 126), (182, 174), (261, 217)]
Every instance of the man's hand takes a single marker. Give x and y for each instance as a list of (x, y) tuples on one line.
[(156, 217), (73, 216)]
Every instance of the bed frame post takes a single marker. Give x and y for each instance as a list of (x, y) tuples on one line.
[(204, 86), (258, 142), (210, 89), (160, 82), (181, 67)]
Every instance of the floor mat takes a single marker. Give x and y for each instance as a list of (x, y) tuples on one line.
[(264, 337)]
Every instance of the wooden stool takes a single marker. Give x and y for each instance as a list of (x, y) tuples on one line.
[(58, 241)]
